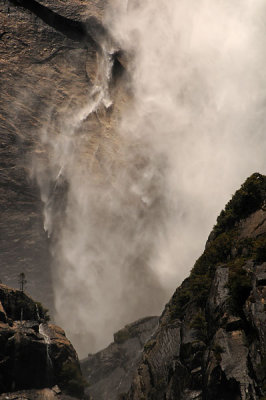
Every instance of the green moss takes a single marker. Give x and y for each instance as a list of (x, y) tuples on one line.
[(122, 336), (260, 250), (239, 284), (196, 288), (72, 380), (25, 305), (246, 200), (43, 312), (199, 323)]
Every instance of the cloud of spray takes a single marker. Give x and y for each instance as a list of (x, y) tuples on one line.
[(193, 132), (101, 215), (199, 87)]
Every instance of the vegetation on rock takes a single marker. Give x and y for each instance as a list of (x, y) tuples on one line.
[(239, 285), (211, 339), (247, 199), (223, 239), (199, 323), (72, 380)]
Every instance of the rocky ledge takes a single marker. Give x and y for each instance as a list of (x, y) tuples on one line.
[(109, 372), (34, 354)]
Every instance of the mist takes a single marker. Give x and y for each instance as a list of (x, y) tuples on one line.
[(129, 209)]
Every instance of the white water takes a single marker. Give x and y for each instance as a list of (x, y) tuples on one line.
[(193, 132), (47, 340), (37, 312)]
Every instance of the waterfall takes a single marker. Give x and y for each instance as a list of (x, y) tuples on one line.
[(132, 190), (49, 364), (37, 312)]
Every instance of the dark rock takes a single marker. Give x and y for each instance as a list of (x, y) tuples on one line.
[(234, 324), (33, 353), (213, 346), (3, 317), (109, 372)]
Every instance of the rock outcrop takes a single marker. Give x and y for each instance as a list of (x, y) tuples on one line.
[(109, 372), (37, 394), (210, 343), (34, 353)]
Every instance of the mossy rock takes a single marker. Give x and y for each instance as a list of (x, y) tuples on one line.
[(239, 284), (71, 379), (122, 336), (247, 199)]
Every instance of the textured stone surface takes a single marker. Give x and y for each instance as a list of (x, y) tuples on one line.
[(110, 371), (213, 346), (219, 290), (254, 225), (41, 69), (33, 353)]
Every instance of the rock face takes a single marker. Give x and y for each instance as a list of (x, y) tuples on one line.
[(45, 60), (210, 343), (109, 372), (33, 353)]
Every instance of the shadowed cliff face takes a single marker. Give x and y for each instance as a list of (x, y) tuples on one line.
[(110, 371), (210, 343), (34, 354)]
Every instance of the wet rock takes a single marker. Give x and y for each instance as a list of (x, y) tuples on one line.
[(3, 317), (33, 353)]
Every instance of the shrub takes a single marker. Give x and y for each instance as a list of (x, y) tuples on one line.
[(122, 336), (260, 250), (43, 312), (239, 284), (245, 201), (197, 286), (199, 323)]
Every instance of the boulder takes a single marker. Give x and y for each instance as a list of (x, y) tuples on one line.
[(34, 353)]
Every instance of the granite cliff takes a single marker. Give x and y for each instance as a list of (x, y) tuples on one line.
[(48, 63), (210, 343), (210, 340)]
